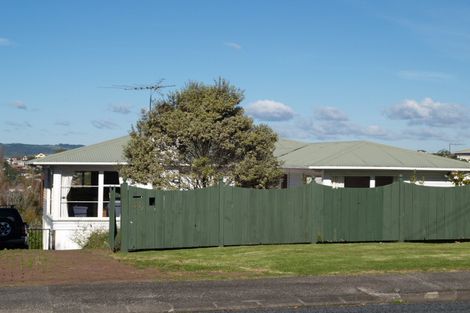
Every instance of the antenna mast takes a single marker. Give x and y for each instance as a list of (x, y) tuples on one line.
[(453, 144), (153, 88)]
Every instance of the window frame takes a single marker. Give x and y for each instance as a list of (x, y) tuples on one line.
[(100, 203)]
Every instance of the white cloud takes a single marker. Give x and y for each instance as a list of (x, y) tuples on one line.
[(334, 129), (73, 133), (18, 125), (329, 123), (348, 129), (233, 45), (375, 131), (20, 105), (312, 129), (5, 42), (423, 75), (62, 123), (427, 134), (104, 124), (332, 123), (330, 114), (121, 108), (269, 110), (429, 112)]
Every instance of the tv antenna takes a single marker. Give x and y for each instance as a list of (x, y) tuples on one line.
[(152, 88), (453, 144)]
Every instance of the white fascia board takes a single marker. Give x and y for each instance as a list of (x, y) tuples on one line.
[(78, 163), (431, 169)]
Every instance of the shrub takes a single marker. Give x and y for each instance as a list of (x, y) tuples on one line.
[(98, 239)]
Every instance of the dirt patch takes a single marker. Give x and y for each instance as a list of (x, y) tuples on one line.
[(37, 267)]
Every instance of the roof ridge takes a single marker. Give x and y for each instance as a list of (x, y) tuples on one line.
[(343, 151), (296, 149)]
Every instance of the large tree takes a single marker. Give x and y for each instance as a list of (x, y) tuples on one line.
[(196, 136)]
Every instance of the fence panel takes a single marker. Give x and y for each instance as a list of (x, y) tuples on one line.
[(266, 216), (354, 214), (433, 213), (222, 215), (187, 218), (391, 213), (159, 219)]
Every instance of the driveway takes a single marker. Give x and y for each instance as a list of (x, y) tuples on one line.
[(38, 267)]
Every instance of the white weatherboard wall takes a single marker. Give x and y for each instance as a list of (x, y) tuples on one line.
[(70, 230), (70, 233)]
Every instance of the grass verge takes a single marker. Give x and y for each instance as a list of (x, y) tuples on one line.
[(300, 260)]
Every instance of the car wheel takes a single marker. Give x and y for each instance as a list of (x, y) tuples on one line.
[(6, 228)]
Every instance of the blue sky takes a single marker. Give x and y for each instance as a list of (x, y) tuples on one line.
[(396, 72)]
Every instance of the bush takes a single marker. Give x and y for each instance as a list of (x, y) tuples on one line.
[(98, 239)]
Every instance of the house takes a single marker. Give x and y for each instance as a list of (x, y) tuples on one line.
[(17, 162), (463, 154), (363, 164), (77, 182)]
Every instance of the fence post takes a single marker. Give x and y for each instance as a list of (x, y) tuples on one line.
[(112, 220), (124, 217), (51, 239), (220, 190)]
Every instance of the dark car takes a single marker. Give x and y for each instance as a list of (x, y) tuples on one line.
[(12, 229)]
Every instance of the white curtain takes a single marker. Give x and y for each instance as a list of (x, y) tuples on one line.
[(66, 186)]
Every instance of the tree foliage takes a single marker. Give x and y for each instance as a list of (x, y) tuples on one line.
[(197, 136), (459, 178), (445, 153), (23, 190)]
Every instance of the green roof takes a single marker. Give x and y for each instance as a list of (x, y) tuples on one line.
[(107, 152), (364, 154), (464, 151), (294, 154)]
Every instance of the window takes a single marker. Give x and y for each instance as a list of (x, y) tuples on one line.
[(86, 193), (80, 194), (284, 181), (111, 180), (383, 180), (357, 182)]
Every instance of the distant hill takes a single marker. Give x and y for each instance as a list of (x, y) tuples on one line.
[(20, 149)]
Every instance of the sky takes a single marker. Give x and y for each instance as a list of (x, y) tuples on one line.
[(393, 72)]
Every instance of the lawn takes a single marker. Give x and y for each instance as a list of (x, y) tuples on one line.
[(294, 260), (35, 267)]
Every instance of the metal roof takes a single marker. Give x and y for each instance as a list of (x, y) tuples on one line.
[(464, 151), (103, 153), (295, 154), (366, 155)]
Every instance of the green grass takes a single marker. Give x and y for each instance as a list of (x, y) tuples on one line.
[(299, 260)]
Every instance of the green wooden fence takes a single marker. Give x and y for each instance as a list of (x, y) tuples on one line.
[(223, 215)]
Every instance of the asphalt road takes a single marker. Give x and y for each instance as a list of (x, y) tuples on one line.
[(299, 294), (452, 307)]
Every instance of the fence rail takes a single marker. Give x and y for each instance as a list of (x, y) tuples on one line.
[(223, 215)]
